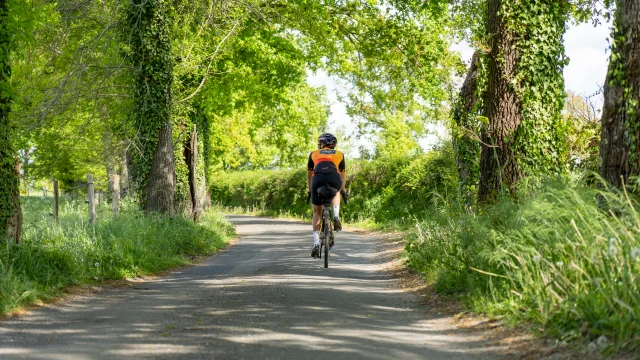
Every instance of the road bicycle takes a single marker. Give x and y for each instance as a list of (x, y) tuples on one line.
[(326, 194)]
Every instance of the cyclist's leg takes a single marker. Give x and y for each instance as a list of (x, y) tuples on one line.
[(315, 222), (317, 216), (337, 225)]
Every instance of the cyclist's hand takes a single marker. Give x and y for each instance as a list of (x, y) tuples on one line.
[(308, 196), (345, 196)]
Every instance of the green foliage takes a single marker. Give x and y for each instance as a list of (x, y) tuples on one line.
[(53, 257), (149, 24), (539, 27), (583, 133), (554, 258), (266, 136), (383, 190), (69, 108), (9, 181), (397, 136), (394, 54)]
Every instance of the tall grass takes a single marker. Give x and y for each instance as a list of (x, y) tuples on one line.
[(556, 258), (53, 256)]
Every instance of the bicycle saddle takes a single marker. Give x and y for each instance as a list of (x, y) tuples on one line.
[(327, 192)]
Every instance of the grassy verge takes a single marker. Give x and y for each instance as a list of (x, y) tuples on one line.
[(554, 259), (53, 256)]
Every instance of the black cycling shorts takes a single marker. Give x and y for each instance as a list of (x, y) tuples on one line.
[(319, 180)]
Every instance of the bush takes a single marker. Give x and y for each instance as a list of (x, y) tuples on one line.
[(53, 257), (383, 190)]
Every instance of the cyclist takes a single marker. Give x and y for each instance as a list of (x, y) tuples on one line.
[(326, 166)]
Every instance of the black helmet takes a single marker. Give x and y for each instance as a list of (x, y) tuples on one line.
[(327, 140)]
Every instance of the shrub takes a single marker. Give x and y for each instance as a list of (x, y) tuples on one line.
[(382, 190)]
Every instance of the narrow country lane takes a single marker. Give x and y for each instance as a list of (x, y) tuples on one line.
[(262, 298)]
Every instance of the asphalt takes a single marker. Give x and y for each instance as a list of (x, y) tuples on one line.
[(262, 298)]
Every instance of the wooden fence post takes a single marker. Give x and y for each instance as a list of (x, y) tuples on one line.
[(115, 194), (92, 199), (55, 200)]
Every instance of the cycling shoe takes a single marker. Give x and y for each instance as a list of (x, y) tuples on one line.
[(315, 253), (337, 225)]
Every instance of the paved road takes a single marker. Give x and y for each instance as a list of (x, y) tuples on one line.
[(262, 298)]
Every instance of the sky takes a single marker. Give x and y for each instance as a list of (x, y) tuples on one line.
[(585, 45)]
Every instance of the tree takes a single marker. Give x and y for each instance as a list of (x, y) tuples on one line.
[(10, 210), (150, 41), (465, 133), (620, 137), (396, 138), (525, 135)]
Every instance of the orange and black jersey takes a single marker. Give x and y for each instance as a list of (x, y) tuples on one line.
[(326, 161)]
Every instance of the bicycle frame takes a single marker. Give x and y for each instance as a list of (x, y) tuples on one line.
[(327, 229)]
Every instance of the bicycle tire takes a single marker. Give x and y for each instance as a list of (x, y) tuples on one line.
[(327, 234)]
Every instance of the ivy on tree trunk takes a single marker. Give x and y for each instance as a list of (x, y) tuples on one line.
[(498, 165), (149, 23), (620, 137), (526, 134), (466, 148), (10, 211)]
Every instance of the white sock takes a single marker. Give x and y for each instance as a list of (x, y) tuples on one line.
[(336, 210), (316, 238)]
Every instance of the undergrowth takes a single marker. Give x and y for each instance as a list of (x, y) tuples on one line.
[(554, 258), (52, 257)]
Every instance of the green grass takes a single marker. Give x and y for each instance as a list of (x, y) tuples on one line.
[(555, 259), (52, 257)]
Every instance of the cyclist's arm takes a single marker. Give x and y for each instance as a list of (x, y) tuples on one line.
[(342, 170), (309, 173)]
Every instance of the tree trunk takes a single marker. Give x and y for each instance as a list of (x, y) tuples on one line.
[(498, 165), (111, 170), (149, 33), (465, 147), (161, 188), (10, 210), (620, 136), (192, 160), (127, 175)]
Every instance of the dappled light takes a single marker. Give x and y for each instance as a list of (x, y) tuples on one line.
[(497, 142), (263, 297)]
